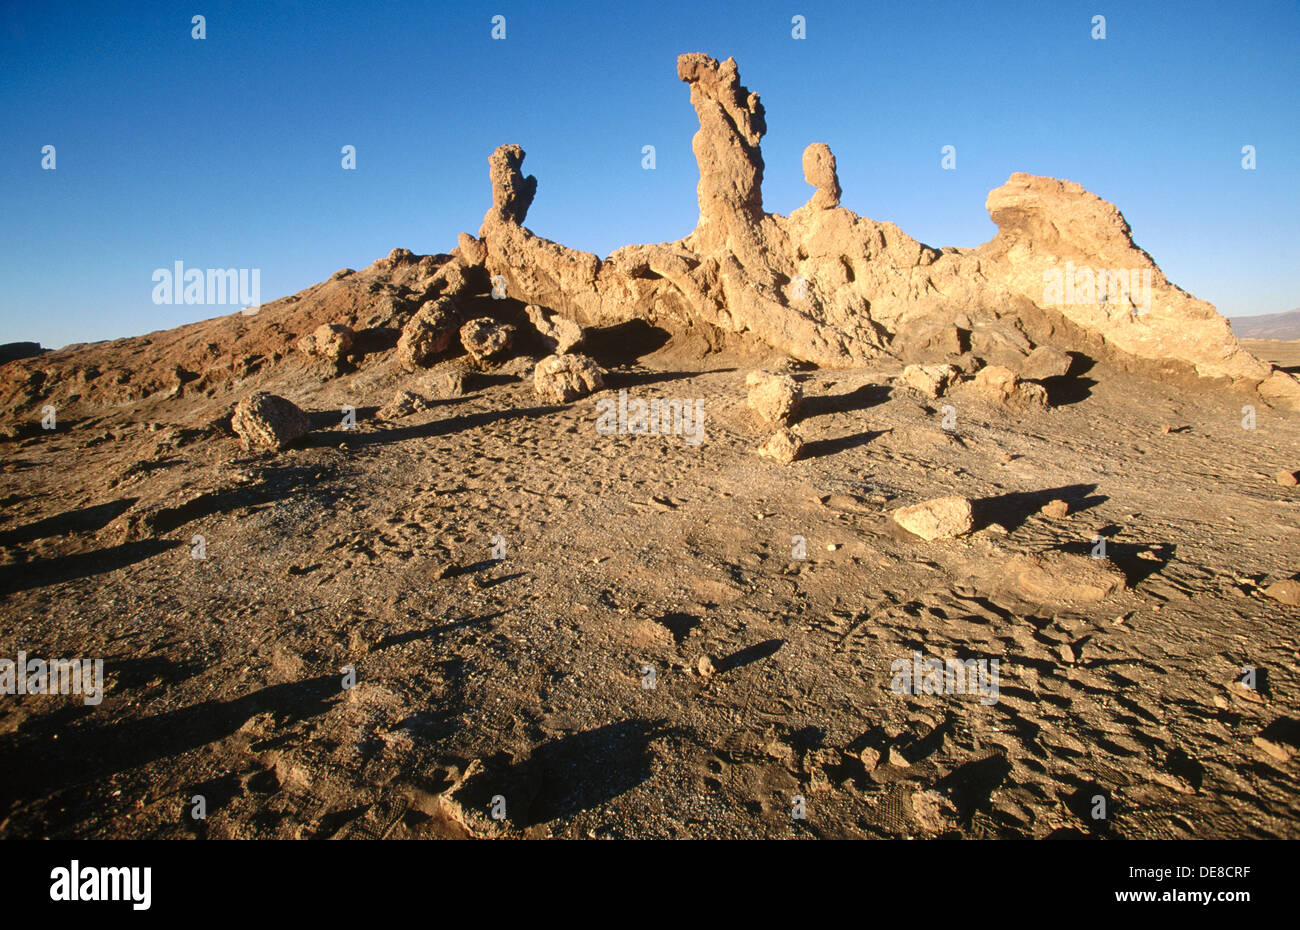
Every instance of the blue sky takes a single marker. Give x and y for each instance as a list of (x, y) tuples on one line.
[(225, 152)]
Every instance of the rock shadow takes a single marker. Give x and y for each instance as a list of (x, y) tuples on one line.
[(567, 775), (1013, 510), (41, 764), (821, 447), (860, 398), (82, 520), (454, 424), (25, 576)]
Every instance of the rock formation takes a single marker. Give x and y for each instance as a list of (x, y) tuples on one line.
[(822, 285), (829, 287), (557, 333)]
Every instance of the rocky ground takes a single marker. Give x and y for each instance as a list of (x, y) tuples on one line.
[(379, 559), (506, 581)]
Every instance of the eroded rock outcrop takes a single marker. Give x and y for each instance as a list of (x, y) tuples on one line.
[(819, 171), (559, 334), (827, 286), (822, 285)]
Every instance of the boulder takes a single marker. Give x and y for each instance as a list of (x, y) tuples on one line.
[(1044, 363), (268, 421), (941, 518), (330, 341), (775, 398), (485, 339), (784, 446), (930, 380), (561, 379), (427, 334)]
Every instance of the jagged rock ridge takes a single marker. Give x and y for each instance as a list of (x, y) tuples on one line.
[(822, 285)]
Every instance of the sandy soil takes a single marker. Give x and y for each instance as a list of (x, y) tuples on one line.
[(521, 681)]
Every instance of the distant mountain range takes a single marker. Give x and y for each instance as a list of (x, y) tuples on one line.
[(1273, 326)]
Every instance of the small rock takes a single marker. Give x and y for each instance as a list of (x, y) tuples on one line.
[(1286, 478), (268, 421), (1276, 750), (561, 379), (870, 758), (1286, 591), (783, 446), (1056, 509), (775, 398), (1173, 782), (403, 404), (941, 518), (930, 380), (705, 668)]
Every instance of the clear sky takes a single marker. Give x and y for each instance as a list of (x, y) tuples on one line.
[(225, 152)]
